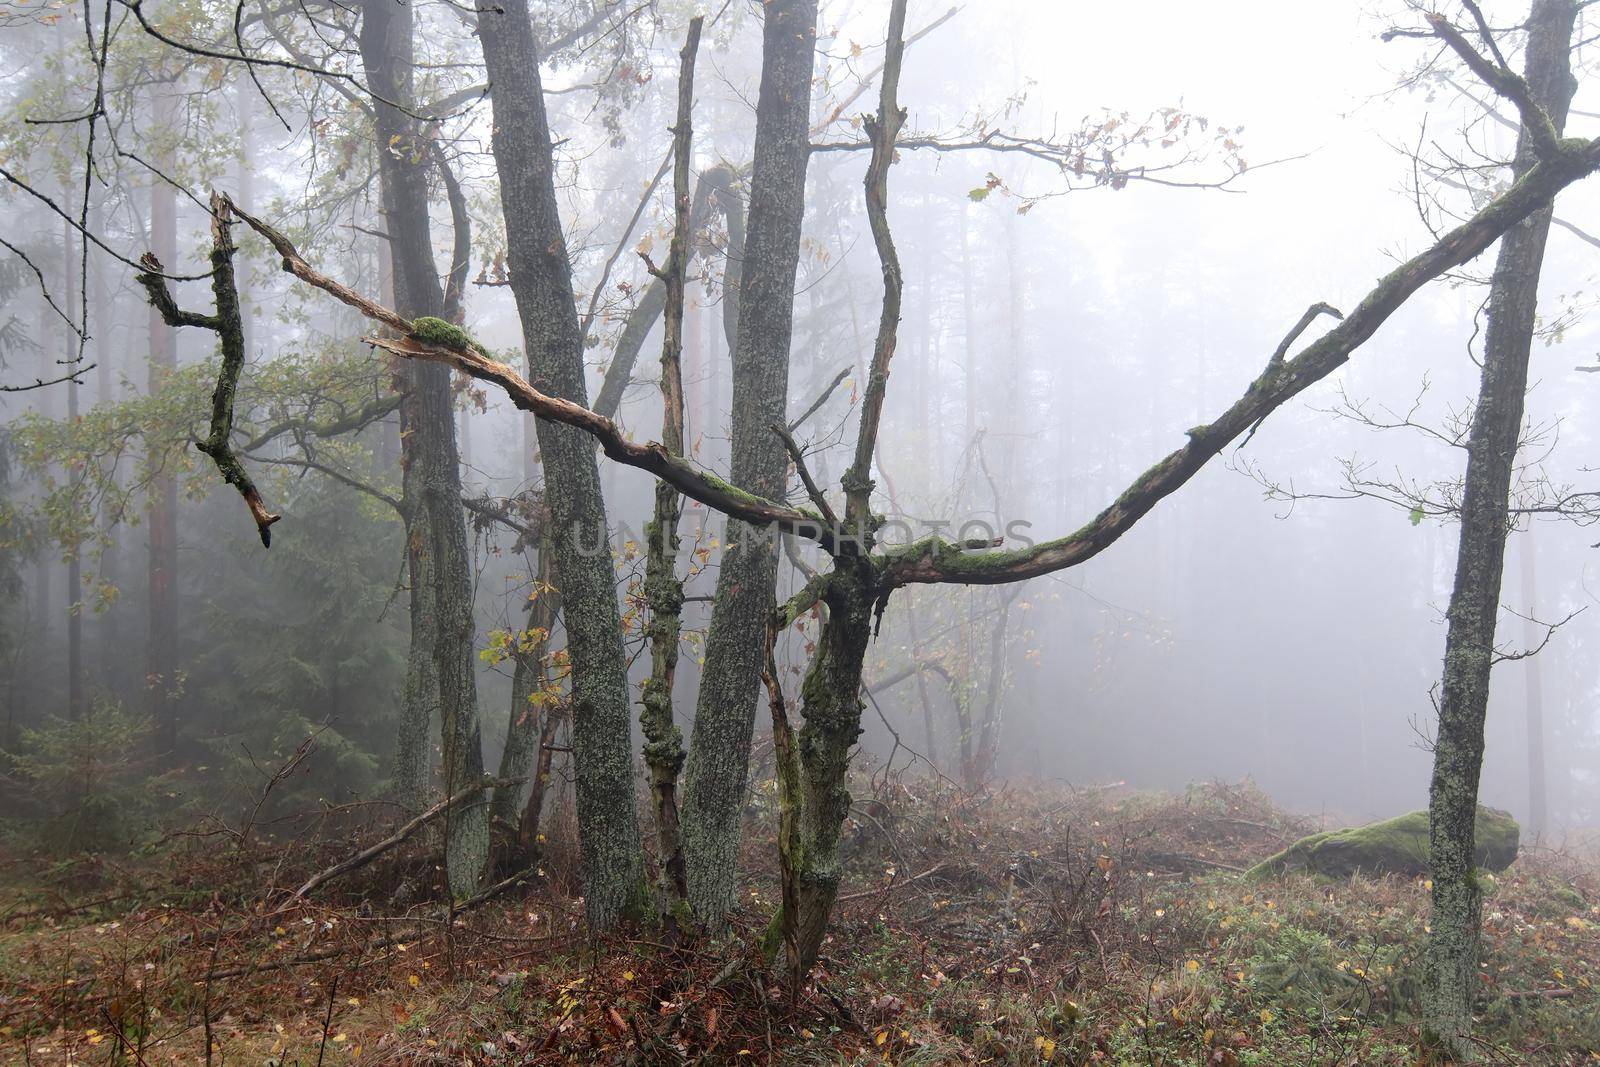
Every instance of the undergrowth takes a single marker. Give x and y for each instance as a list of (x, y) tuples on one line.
[(1031, 925)]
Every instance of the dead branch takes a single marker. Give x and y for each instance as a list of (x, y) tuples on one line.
[(935, 561), (1550, 629), (372, 852), (418, 342), (1299, 328), (882, 130), (822, 398), (865, 893), (813, 490), (228, 325), (1502, 79)]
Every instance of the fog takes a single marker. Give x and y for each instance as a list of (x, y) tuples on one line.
[(1057, 339)]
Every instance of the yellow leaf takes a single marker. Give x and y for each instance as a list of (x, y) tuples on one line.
[(1267, 1016), (414, 981)]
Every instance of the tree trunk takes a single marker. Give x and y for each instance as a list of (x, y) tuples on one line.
[(814, 765), (108, 629), (1452, 979), (663, 589), (532, 705), (440, 667), (719, 748), (161, 650), (1538, 793), (69, 353), (541, 282)]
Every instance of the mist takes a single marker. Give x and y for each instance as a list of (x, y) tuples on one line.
[(1104, 223)]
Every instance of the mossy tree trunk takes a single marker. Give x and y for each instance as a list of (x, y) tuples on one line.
[(814, 762), (719, 747), (663, 748), (541, 282), (1452, 978), (440, 665)]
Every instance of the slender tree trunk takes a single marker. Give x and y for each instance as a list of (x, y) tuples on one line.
[(719, 749), (1538, 793), (663, 749), (161, 655), (69, 353), (814, 762), (108, 628), (440, 566), (532, 706), (1452, 978), (713, 190), (988, 749), (541, 282)]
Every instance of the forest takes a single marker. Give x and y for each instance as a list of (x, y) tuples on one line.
[(799, 532)]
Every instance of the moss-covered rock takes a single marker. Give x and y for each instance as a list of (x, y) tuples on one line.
[(1394, 846)]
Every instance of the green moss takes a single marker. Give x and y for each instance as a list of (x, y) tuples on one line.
[(1394, 846), (772, 939), (434, 331)]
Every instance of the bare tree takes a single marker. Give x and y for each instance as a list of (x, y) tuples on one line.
[(1541, 98)]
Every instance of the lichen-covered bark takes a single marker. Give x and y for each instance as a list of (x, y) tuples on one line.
[(814, 766), (541, 282), (440, 665), (663, 589), (719, 748), (1451, 977), (815, 762)]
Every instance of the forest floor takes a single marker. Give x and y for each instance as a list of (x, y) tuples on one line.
[(1034, 925)]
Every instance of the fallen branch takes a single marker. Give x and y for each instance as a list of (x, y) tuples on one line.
[(367, 855), (865, 893)]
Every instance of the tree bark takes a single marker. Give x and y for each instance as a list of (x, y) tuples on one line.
[(440, 667), (1451, 977), (541, 282), (663, 589), (814, 765), (719, 747)]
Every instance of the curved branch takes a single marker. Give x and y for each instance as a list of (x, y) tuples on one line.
[(935, 560), (436, 342)]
